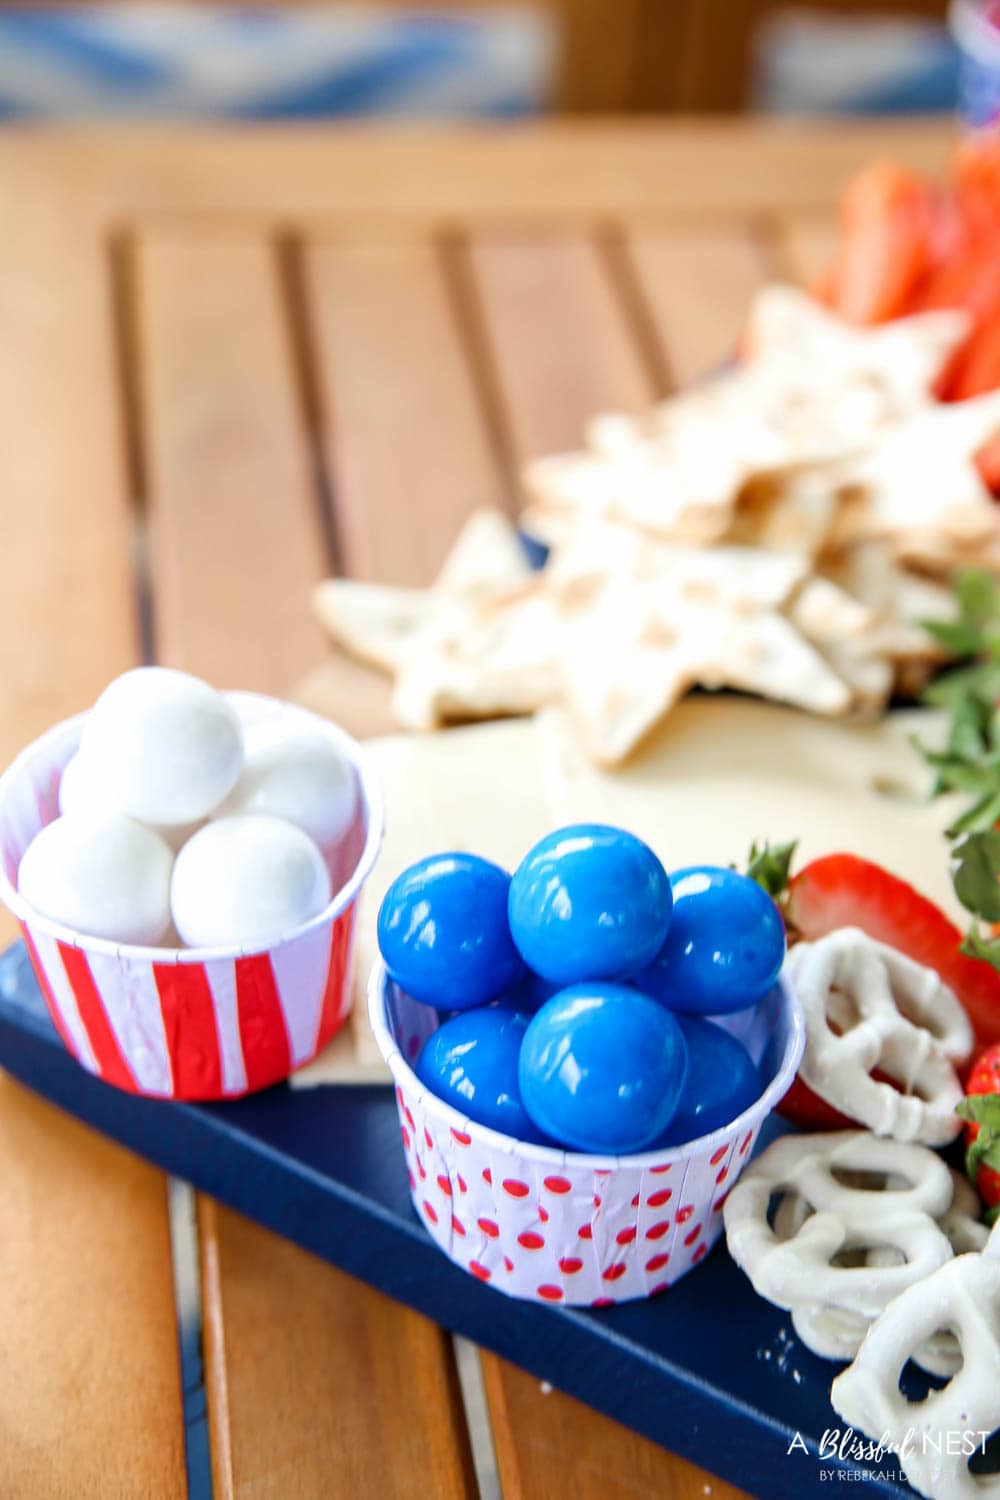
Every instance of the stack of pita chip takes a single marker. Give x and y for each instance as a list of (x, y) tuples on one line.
[(778, 528)]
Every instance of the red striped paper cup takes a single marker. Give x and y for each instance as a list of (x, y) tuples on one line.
[(560, 1226), (191, 1023)]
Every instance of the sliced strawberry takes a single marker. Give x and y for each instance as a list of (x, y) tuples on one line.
[(979, 370), (987, 1185), (841, 890), (886, 244), (976, 172), (968, 277), (984, 1076)]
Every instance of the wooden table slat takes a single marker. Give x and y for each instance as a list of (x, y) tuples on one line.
[(236, 546), (559, 336), (86, 1295), (807, 242), (543, 1437), (556, 170), (67, 609), (409, 447), (697, 285), (235, 537), (328, 1388), (90, 1392)]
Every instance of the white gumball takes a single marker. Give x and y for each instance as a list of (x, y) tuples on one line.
[(85, 787), (101, 874), (299, 775), (246, 881), (80, 791), (169, 745)]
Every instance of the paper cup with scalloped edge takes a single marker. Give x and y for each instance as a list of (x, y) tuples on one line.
[(562, 1227), (191, 1023)]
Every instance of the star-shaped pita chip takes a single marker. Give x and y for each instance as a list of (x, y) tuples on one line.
[(812, 389), (617, 627), (918, 481), (799, 349)]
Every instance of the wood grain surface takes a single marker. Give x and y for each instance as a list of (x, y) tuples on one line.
[(408, 447), (236, 542), (555, 172), (319, 1386), (304, 1365), (697, 285), (89, 1385)]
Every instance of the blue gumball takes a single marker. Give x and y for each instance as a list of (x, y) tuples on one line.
[(530, 992), (442, 930), (725, 946), (589, 902), (722, 1082), (471, 1062), (602, 1068)]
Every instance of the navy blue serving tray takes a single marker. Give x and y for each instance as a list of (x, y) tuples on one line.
[(708, 1369)]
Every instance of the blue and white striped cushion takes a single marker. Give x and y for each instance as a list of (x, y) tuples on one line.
[(261, 63)]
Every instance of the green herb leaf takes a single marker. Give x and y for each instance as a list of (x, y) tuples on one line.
[(971, 723), (981, 817), (769, 865), (975, 873), (978, 594), (957, 637), (979, 677)]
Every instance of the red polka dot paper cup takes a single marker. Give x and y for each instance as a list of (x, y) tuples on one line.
[(561, 1227), (191, 1023)]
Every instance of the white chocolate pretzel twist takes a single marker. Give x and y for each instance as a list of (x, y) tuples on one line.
[(833, 1333), (858, 1219), (870, 1007), (934, 1437)]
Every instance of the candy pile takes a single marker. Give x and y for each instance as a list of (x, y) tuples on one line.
[(778, 528), (182, 825), (574, 994)]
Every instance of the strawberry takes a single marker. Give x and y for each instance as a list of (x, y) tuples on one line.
[(842, 890), (886, 244), (807, 1110), (981, 1112)]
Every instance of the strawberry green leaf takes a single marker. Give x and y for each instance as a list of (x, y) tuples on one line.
[(769, 865), (975, 873), (975, 945), (981, 1109)]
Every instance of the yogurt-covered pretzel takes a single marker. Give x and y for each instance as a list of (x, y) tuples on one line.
[(870, 1007), (838, 1245), (834, 1333), (934, 1437)]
